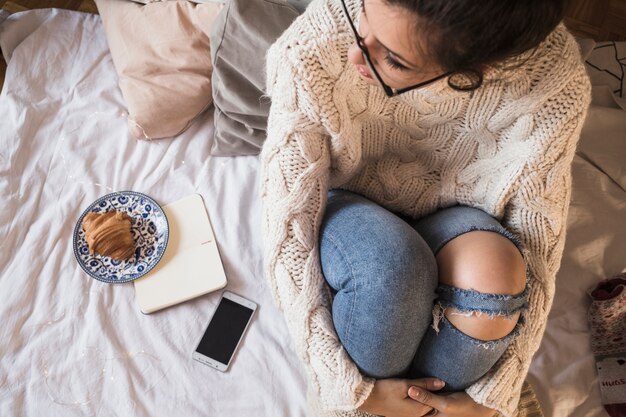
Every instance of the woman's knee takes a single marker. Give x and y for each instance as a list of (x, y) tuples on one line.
[(383, 301), (490, 264), (483, 261), (384, 276), (361, 240)]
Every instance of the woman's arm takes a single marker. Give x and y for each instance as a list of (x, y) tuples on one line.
[(537, 214), (295, 169)]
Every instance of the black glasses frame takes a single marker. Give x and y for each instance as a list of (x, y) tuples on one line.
[(392, 92)]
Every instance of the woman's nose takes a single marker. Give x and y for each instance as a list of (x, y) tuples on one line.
[(355, 56)]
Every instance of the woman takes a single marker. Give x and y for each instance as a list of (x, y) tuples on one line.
[(415, 184)]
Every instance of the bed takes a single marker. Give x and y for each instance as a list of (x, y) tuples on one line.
[(74, 346)]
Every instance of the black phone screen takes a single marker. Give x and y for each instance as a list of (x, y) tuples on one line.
[(224, 331)]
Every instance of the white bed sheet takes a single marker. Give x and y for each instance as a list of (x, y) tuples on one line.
[(64, 143)]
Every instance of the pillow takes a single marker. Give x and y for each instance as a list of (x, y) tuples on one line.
[(242, 34), (161, 54)]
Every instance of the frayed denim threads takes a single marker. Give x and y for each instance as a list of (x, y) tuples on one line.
[(440, 321), (493, 305)]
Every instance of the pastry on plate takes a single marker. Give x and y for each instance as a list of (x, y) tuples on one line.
[(109, 234)]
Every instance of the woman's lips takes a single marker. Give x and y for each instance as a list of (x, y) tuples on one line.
[(362, 69)]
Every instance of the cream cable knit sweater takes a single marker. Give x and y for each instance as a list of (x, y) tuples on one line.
[(505, 148)]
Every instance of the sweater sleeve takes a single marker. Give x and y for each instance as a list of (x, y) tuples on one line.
[(295, 169), (537, 214)]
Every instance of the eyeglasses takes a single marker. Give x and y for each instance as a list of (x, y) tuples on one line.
[(466, 81)]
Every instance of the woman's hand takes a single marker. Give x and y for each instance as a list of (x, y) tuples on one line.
[(390, 398), (455, 404)]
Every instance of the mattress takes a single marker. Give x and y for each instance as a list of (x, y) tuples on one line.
[(74, 346)]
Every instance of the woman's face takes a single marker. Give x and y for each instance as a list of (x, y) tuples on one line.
[(391, 38)]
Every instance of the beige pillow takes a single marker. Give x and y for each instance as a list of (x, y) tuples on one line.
[(241, 36), (162, 56)]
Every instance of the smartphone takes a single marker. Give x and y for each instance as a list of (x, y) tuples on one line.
[(225, 331)]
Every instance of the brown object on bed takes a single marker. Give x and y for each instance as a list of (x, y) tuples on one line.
[(109, 234), (13, 6)]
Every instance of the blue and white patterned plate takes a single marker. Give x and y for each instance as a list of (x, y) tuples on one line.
[(150, 232)]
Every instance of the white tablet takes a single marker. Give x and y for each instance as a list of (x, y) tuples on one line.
[(191, 265)]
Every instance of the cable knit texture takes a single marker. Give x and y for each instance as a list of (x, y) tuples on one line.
[(506, 148)]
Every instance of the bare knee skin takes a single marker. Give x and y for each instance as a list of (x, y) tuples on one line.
[(486, 262)]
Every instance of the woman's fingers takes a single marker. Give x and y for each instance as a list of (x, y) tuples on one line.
[(430, 384), (415, 409), (390, 398), (426, 397)]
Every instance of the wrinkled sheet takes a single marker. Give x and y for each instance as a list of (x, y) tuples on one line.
[(74, 346), (64, 143)]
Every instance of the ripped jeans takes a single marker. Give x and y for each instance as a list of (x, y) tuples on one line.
[(387, 302)]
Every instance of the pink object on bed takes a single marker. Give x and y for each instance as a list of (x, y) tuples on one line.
[(162, 56)]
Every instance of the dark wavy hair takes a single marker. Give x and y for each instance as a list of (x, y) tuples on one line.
[(465, 36)]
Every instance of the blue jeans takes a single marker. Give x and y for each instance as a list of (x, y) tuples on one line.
[(382, 270)]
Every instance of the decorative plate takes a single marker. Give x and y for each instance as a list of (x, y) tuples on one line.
[(150, 232)]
